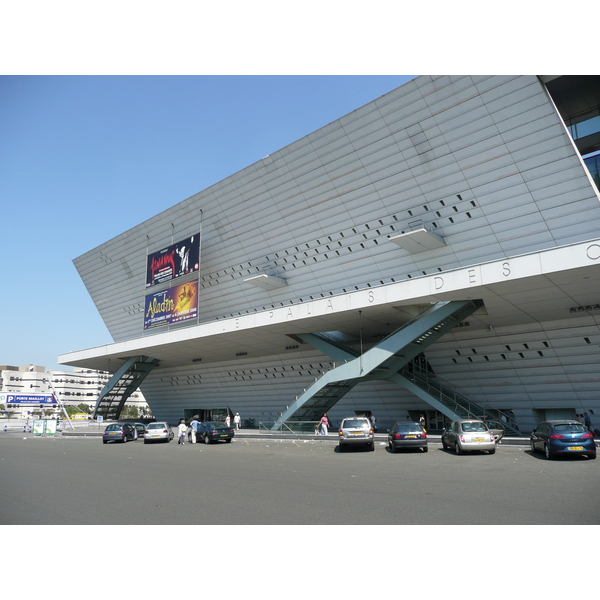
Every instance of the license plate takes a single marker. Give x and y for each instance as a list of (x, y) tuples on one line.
[(410, 436), (223, 435), (575, 447), (356, 432), (114, 433), (156, 436), (478, 440)]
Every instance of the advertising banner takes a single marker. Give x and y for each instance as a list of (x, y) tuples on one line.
[(8, 398), (176, 260), (177, 304)]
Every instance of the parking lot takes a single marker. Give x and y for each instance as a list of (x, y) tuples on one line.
[(60, 480)]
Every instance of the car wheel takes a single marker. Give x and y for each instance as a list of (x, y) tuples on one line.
[(391, 448), (457, 448), (592, 456), (493, 451), (372, 447), (342, 448), (145, 441), (124, 439), (532, 446), (228, 440), (547, 452), (425, 448), (105, 441), (444, 445), (206, 440)]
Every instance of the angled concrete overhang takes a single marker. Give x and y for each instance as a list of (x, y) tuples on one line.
[(540, 286)]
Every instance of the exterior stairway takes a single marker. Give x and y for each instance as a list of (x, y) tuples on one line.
[(121, 385), (449, 402), (382, 361)]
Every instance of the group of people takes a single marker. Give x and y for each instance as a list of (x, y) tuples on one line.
[(192, 429)]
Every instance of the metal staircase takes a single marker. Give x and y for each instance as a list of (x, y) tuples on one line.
[(449, 402), (122, 384), (382, 361)]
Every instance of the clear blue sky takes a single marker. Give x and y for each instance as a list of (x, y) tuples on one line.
[(84, 158)]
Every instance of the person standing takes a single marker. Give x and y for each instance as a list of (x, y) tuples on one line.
[(194, 426), (227, 420), (181, 430), (374, 422), (324, 424), (588, 422), (237, 420)]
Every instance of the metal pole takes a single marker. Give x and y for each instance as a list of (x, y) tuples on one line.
[(60, 404)]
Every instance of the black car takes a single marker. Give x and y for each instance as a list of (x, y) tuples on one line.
[(121, 432), (212, 431), (405, 434), (555, 438)]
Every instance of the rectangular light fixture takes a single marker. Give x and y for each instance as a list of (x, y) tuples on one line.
[(418, 240), (266, 282)]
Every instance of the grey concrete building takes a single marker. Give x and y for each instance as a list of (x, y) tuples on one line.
[(473, 195)]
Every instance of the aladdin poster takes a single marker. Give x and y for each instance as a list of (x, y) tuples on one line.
[(176, 260), (174, 305)]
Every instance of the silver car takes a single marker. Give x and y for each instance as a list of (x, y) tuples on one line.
[(356, 431), (466, 435), (159, 431)]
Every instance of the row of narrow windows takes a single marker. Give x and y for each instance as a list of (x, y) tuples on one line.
[(324, 248), (312, 370)]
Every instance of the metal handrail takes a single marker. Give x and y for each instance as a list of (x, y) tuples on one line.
[(453, 399), (287, 426)]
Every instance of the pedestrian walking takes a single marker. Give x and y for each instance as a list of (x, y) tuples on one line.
[(374, 422), (227, 420), (181, 430), (194, 428), (324, 424), (237, 421), (588, 422)]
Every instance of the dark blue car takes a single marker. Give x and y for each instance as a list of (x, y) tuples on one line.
[(562, 437), (208, 432)]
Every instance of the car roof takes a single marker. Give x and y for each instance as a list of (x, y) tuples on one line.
[(563, 422)]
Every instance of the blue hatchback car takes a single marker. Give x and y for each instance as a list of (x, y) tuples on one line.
[(562, 437)]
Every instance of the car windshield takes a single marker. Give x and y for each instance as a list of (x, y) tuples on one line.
[(467, 427), (156, 426), (356, 423), (113, 427), (569, 428), (415, 427)]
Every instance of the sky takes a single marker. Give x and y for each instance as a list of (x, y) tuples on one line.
[(85, 158)]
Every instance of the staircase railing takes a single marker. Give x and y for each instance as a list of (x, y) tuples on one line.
[(456, 402)]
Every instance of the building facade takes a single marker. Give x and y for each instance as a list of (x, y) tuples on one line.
[(447, 189), (80, 386)]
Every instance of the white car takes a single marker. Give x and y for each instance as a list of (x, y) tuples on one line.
[(356, 431), (466, 435), (159, 431)]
